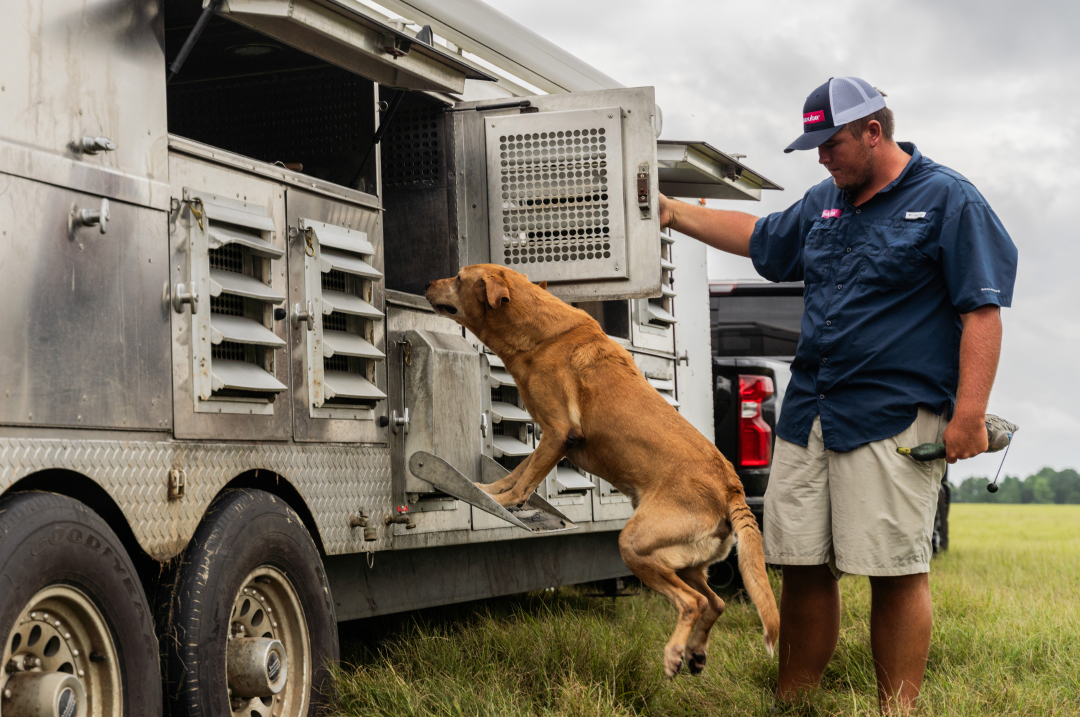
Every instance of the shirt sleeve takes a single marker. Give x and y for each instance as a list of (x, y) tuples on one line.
[(978, 258), (777, 243)]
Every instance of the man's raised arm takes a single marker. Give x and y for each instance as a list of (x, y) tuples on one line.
[(724, 230)]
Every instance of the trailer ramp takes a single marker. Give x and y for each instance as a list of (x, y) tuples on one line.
[(535, 516)]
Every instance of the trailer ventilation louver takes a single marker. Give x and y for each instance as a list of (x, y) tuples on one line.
[(661, 310), (339, 275), (513, 427), (555, 187), (231, 256)]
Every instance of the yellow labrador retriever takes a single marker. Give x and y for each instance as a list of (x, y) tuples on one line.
[(596, 408)]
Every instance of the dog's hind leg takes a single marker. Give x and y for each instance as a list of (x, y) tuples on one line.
[(697, 646), (655, 572)]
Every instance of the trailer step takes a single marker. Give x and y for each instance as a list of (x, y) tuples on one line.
[(535, 516)]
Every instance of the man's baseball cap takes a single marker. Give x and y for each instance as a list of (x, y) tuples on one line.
[(833, 105)]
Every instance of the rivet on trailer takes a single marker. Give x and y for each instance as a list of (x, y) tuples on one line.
[(223, 390)]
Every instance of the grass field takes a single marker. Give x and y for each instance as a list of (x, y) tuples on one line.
[(1006, 642)]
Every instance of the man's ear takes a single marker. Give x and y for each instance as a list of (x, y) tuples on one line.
[(498, 292), (542, 285)]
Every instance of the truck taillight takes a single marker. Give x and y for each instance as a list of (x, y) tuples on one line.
[(755, 435)]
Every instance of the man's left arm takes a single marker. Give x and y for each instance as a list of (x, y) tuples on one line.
[(980, 347), (979, 262)]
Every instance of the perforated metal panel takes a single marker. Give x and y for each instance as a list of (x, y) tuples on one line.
[(555, 192), (320, 118), (412, 151)]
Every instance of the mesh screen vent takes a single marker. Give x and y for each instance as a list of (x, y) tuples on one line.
[(351, 364), (229, 258), (322, 118), (555, 187), (229, 350), (336, 322), (412, 150), (335, 281), (227, 304), (555, 192)]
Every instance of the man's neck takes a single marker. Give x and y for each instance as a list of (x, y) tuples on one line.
[(889, 163)]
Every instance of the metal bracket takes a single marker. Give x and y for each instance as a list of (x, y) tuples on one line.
[(177, 484)]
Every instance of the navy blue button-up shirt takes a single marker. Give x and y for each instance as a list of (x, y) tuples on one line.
[(886, 283)]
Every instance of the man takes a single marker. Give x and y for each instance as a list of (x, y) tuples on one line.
[(905, 268)]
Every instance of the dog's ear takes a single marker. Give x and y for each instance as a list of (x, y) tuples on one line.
[(542, 285), (498, 291)]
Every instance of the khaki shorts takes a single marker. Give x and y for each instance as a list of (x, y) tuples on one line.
[(869, 511)]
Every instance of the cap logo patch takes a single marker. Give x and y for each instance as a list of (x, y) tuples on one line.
[(813, 117), (915, 215), (831, 214)]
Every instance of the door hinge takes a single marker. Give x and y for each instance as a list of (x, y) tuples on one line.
[(643, 198)]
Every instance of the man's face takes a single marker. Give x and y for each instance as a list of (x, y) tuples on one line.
[(850, 161)]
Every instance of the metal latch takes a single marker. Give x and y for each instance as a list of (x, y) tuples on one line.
[(90, 217), (399, 422), (94, 145), (177, 483), (643, 191), (483, 425), (182, 296), (300, 315)]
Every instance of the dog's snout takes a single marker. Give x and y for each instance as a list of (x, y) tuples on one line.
[(429, 285)]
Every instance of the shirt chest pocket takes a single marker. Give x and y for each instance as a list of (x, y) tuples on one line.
[(819, 251), (892, 254)]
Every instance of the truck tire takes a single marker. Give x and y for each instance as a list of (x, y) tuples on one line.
[(75, 623), (249, 627)]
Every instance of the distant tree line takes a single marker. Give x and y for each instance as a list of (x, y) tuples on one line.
[(1046, 486)]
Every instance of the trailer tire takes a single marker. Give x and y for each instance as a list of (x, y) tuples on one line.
[(72, 603), (250, 554)]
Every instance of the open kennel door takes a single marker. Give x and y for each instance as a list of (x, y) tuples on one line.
[(562, 188), (340, 33), (697, 170)]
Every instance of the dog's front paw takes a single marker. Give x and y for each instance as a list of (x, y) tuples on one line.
[(697, 662), (673, 660)]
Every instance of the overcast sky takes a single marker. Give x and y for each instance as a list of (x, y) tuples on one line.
[(988, 88)]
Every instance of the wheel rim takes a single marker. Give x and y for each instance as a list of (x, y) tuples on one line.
[(61, 630), (267, 606)]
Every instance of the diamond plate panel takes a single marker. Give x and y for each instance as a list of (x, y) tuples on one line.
[(334, 481)]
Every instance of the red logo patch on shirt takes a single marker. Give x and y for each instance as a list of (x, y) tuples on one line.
[(831, 214), (813, 117)]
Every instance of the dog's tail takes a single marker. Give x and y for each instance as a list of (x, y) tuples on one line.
[(752, 567)]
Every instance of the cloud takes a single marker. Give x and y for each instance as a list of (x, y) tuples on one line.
[(987, 88)]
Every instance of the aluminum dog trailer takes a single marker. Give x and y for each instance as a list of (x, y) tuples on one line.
[(217, 366)]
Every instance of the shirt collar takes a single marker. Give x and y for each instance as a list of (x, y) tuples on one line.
[(916, 158)]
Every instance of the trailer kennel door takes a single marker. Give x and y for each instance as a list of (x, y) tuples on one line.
[(562, 188)]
